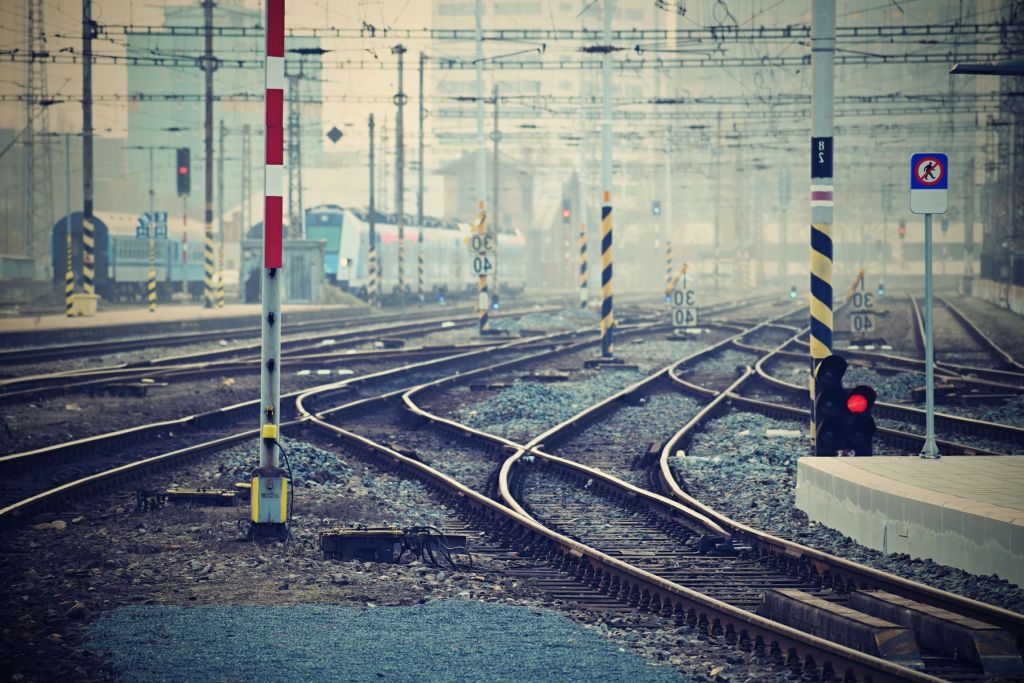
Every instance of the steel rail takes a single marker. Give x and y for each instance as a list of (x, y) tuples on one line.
[(838, 572)]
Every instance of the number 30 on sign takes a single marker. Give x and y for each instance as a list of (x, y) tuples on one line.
[(684, 308)]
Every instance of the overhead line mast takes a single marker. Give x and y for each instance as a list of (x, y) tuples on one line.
[(481, 228)]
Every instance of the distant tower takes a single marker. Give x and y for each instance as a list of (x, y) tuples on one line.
[(38, 165)]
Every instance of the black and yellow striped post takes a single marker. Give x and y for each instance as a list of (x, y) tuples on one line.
[(607, 316), (69, 277), (209, 265), (483, 305), (823, 45), (151, 282), (668, 270), (419, 265), (88, 254), (583, 264), (220, 276), (373, 282)]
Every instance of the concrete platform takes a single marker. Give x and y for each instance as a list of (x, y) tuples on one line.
[(965, 512), (126, 321)]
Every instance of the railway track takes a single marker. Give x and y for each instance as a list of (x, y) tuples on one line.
[(577, 569)]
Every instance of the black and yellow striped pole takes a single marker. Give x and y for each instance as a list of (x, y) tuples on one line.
[(483, 305), (151, 283), (208, 260), (69, 280), (208, 66), (668, 270), (583, 263), (419, 265), (607, 316), (220, 275), (372, 275), (823, 31), (69, 273), (88, 253)]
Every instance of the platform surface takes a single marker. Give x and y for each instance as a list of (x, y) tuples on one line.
[(169, 313), (966, 512)]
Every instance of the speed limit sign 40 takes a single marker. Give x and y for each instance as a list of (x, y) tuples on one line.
[(482, 264), (684, 308), (862, 318)]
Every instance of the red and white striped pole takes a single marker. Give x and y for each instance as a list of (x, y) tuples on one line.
[(269, 483)]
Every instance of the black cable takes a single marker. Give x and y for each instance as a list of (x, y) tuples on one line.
[(291, 497)]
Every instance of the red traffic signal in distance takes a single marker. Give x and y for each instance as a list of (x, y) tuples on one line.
[(903, 229), (184, 167), (566, 213)]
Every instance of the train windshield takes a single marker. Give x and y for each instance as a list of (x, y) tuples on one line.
[(326, 226)]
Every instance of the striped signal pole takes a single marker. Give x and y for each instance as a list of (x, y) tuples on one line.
[(220, 213), (88, 227), (69, 274), (483, 296), (373, 281), (583, 264), (400, 99), (419, 265), (668, 269), (823, 45), (208, 248), (151, 284), (269, 484), (607, 313)]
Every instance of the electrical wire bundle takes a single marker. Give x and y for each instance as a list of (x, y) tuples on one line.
[(430, 546)]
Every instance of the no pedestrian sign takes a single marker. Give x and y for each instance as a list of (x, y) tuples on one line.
[(929, 182)]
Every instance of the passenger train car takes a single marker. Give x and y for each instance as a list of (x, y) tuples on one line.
[(447, 258)]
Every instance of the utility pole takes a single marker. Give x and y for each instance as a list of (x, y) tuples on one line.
[(69, 273), (419, 172), (295, 209), (968, 279), (400, 100), (718, 199), (151, 284), (583, 188), (495, 223), (37, 160), (88, 227), (823, 48), (481, 228), (220, 213), (783, 224), (246, 194), (667, 203), (374, 274), (607, 313), (208, 66)]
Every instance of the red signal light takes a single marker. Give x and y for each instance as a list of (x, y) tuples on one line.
[(182, 170), (857, 403), (566, 213)]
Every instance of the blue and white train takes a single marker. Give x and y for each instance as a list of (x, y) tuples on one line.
[(445, 245)]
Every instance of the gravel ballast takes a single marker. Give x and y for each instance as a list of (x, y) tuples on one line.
[(753, 480), (442, 640)]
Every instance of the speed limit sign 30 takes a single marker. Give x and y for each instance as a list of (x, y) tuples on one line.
[(862, 318), (684, 308)]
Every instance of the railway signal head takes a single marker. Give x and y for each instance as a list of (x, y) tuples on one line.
[(656, 207), (792, 292), (842, 418), (183, 171), (881, 289), (566, 211), (860, 426), (829, 405), (903, 228)]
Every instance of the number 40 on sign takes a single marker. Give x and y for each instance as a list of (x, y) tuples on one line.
[(684, 308)]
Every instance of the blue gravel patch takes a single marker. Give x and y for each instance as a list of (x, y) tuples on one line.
[(444, 640)]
